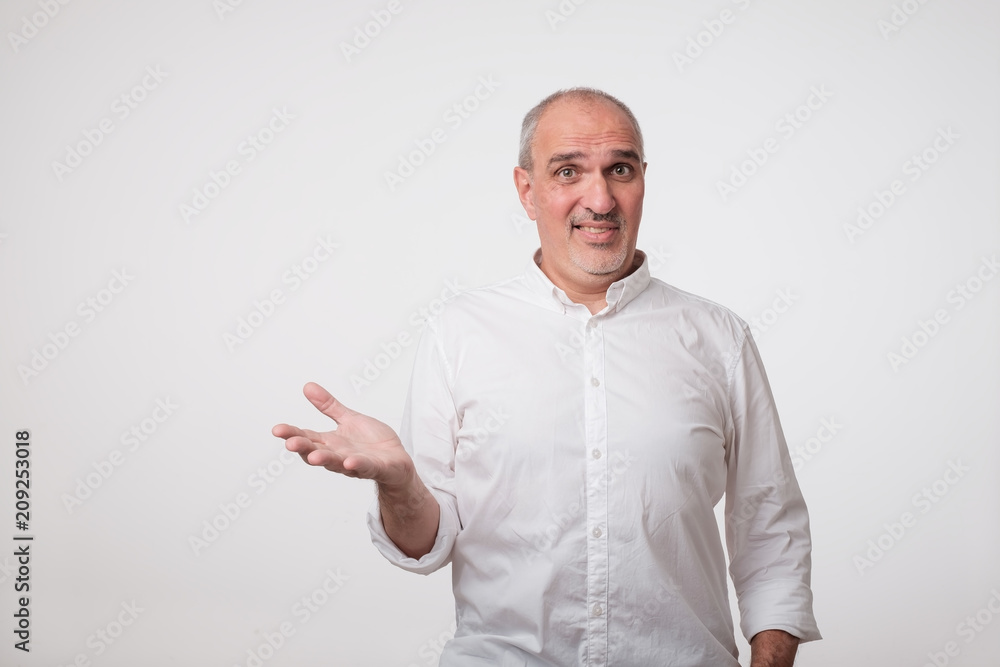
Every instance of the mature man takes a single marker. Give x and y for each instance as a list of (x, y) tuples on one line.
[(568, 433)]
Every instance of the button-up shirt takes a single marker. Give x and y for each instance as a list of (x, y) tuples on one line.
[(577, 459)]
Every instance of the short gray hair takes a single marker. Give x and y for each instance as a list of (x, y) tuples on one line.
[(530, 123)]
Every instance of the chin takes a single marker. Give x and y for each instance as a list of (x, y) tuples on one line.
[(600, 263)]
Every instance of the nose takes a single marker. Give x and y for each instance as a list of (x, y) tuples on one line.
[(598, 196)]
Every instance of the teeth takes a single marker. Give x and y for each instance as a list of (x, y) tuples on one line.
[(594, 230)]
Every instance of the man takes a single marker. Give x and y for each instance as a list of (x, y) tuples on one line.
[(568, 433)]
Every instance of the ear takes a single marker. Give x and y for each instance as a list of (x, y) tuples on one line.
[(522, 181)]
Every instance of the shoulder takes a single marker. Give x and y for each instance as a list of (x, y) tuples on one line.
[(685, 308), (474, 304)]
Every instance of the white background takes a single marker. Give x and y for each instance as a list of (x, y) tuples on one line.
[(887, 92)]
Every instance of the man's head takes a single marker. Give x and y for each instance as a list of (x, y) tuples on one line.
[(581, 178)]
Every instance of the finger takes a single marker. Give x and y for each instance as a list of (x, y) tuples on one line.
[(287, 431), (324, 458), (300, 445), (360, 466), (325, 402)]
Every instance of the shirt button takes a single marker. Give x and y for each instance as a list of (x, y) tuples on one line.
[(596, 453), (597, 532), (595, 382), (592, 324), (598, 610)]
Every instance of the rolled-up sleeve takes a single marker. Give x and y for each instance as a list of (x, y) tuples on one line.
[(428, 432), (767, 524)]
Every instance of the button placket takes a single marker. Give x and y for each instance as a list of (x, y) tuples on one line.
[(595, 417)]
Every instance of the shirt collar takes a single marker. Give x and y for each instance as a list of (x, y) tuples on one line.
[(619, 294)]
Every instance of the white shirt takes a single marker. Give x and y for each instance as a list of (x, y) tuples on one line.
[(577, 459)]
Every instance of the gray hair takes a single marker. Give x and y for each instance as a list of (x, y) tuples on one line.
[(530, 123)]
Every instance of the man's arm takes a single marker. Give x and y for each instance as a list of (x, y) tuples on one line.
[(773, 648), (410, 515), (767, 523), (364, 447)]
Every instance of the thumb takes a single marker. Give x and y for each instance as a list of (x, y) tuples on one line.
[(326, 403), (361, 465)]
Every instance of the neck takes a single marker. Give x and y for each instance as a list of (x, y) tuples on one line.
[(589, 290)]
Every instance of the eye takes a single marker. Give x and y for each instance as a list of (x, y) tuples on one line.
[(621, 170), (567, 172)]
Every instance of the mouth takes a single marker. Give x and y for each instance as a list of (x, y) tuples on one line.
[(596, 232)]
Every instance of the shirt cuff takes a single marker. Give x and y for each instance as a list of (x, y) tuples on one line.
[(433, 560), (779, 606)]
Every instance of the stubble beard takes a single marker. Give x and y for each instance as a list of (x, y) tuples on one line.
[(601, 261)]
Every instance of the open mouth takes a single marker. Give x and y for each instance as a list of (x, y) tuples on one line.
[(596, 234)]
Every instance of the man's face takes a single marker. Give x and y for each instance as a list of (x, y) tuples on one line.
[(585, 192)]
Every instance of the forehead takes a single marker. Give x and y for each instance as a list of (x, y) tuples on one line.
[(591, 127)]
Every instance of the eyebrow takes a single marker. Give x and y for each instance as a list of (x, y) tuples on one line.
[(565, 157), (627, 154)]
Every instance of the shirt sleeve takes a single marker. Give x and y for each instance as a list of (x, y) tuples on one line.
[(428, 432), (767, 525)]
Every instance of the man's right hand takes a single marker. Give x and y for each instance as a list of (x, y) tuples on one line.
[(360, 446), (364, 447)]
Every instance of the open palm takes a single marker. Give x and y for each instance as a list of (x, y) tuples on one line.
[(360, 446)]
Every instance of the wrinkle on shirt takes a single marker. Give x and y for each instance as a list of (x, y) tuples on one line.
[(588, 534)]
